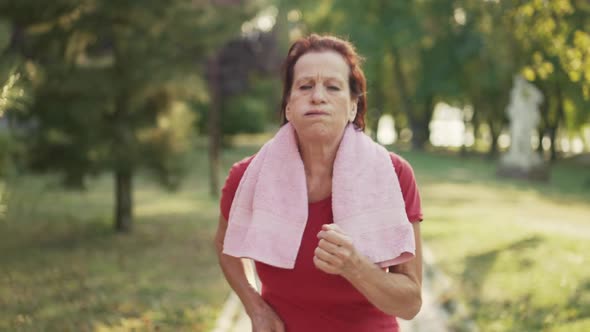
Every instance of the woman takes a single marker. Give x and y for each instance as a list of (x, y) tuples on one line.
[(330, 285)]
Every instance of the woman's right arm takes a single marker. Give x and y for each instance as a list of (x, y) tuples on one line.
[(263, 317)]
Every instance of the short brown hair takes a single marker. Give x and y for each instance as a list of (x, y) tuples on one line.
[(356, 79)]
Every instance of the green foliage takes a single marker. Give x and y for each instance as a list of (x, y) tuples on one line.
[(168, 142), (249, 111), (110, 82), (556, 43), (253, 110), (244, 114), (5, 148), (12, 89), (462, 52), (417, 42), (104, 74)]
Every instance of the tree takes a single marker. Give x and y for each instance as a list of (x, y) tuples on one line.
[(495, 57), (110, 81), (13, 96), (557, 45), (418, 39), (229, 76)]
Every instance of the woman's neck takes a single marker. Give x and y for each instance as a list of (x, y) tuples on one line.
[(318, 157)]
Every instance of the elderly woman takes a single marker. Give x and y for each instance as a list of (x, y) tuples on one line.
[(329, 217)]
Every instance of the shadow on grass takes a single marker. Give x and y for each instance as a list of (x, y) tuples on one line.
[(478, 267), (60, 276), (522, 314), (579, 303)]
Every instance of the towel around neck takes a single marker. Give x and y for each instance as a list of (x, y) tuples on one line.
[(269, 211)]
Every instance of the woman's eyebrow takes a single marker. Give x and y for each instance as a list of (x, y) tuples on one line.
[(302, 79), (311, 78), (335, 80)]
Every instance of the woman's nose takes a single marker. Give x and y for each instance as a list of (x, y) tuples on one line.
[(318, 95)]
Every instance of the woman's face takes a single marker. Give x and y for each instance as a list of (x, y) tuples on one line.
[(320, 105)]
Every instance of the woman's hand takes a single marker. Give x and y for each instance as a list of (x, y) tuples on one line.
[(396, 292), (265, 319), (335, 253)]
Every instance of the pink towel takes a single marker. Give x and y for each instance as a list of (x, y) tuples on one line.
[(269, 212)]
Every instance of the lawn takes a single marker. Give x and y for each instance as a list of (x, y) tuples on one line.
[(62, 268), (516, 253)]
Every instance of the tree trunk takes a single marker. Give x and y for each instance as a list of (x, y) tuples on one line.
[(540, 133), (495, 133), (124, 160), (407, 106), (421, 125), (553, 138), (429, 113), (420, 133), (544, 111), (553, 126), (123, 140), (475, 124), (124, 200), (214, 126)]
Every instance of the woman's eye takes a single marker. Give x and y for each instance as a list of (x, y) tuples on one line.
[(305, 87), (333, 88)]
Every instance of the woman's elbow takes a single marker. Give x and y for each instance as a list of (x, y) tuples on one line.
[(218, 243), (412, 307), (412, 310)]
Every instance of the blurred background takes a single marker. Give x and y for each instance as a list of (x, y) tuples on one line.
[(120, 119)]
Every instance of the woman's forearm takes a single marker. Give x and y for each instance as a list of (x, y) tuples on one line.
[(397, 292), (263, 317), (234, 271), (393, 293)]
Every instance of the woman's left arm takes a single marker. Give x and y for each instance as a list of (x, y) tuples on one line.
[(397, 292)]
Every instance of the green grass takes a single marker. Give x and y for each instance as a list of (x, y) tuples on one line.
[(63, 268), (517, 253)]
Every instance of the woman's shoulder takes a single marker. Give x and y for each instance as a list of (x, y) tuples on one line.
[(236, 172), (400, 164), (408, 185), (231, 184), (238, 169)]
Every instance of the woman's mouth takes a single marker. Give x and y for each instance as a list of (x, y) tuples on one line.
[(316, 113)]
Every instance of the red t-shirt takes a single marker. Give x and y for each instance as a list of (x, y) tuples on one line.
[(307, 299)]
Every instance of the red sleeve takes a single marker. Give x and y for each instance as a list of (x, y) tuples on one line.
[(409, 187), (231, 185)]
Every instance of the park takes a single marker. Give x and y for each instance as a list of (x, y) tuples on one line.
[(119, 122)]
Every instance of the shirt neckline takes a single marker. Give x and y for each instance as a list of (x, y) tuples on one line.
[(321, 201)]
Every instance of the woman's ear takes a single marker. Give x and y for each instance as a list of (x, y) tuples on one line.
[(352, 114), (288, 112)]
